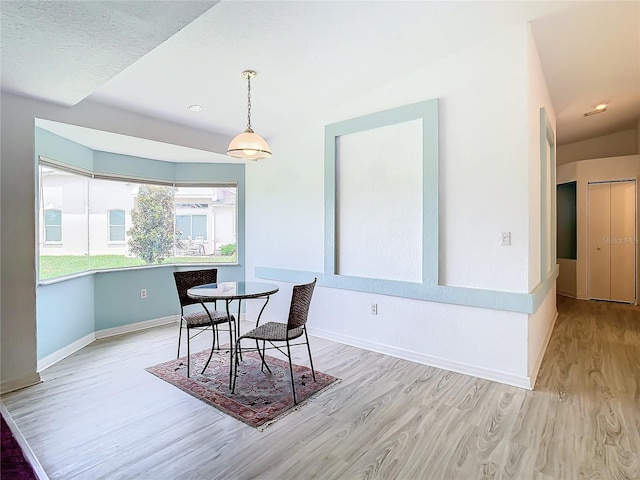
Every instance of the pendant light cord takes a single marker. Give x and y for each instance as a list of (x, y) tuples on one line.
[(249, 102)]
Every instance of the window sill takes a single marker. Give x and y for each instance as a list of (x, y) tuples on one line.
[(51, 281)]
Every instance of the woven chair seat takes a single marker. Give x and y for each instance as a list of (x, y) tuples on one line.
[(282, 332), (201, 319), (273, 331)]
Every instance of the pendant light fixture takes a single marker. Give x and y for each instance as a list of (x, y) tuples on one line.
[(249, 145)]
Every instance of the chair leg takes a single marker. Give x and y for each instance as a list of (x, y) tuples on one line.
[(313, 372), (235, 370), (231, 347), (179, 338), (188, 354), (293, 385), (261, 353)]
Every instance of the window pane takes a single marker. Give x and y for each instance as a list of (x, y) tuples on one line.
[(116, 217), (116, 225), (199, 226), (116, 234), (109, 203), (120, 223), (183, 226), (52, 234), (52, 217), (62, 195)]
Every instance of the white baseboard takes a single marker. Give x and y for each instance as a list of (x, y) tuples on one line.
[(458, 367), (26, 449), (58, 355), (543, 350), (565, 293), (17, 383), (134, 327), (107, 332)]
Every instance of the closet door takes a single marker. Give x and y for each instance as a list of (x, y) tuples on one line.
[(599, 241), (623, 236)]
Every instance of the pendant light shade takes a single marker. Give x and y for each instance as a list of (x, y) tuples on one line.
[(249, 145)]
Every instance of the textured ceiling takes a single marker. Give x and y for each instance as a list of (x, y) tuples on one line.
[(62, 51), (157, 58)]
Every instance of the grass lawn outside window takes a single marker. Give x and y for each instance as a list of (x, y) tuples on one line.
[(62, 265)]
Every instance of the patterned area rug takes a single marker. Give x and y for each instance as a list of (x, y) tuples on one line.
[(260, 397)]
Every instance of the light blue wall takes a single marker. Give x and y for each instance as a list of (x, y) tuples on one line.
[(117, 296), (55, 147), (71, 309), (128, 166), (64, 313)]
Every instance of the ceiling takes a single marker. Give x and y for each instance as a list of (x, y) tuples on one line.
[(157, 58)]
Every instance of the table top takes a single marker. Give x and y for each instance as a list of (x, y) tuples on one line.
[(232, 290)]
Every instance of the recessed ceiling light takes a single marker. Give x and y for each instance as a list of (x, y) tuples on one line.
[(600, 108), (195, 108)]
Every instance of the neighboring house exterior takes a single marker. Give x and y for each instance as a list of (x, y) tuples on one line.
[(72, 204)]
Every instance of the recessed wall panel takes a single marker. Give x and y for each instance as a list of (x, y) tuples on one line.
[(379, 202)]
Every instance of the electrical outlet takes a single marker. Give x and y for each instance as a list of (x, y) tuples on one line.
[(143, 293), (374, 309)]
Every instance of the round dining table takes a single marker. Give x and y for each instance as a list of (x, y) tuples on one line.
[(230, 291)]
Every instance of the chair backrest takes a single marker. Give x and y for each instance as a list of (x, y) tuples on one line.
[(191, 278), (300, 301)]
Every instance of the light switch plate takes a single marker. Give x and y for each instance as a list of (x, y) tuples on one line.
[(505, 239)]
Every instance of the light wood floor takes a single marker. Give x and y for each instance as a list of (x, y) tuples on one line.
[(99, 415)]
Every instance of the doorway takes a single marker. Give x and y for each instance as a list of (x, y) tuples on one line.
[(612, 241)]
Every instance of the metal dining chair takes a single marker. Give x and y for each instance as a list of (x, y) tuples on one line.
[(275, 332), (201, 319)]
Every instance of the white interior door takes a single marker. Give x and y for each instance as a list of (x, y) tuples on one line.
[(623, 238), (599, 241)]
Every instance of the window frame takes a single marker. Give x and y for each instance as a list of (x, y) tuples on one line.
[(45, 225), (174, 260), (110, 241)]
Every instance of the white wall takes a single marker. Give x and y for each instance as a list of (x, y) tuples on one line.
[(541, 323), (484, 189), (17, 226), (540, 329), (613, 145), (538, 98), (600, 169), (483, 167)]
